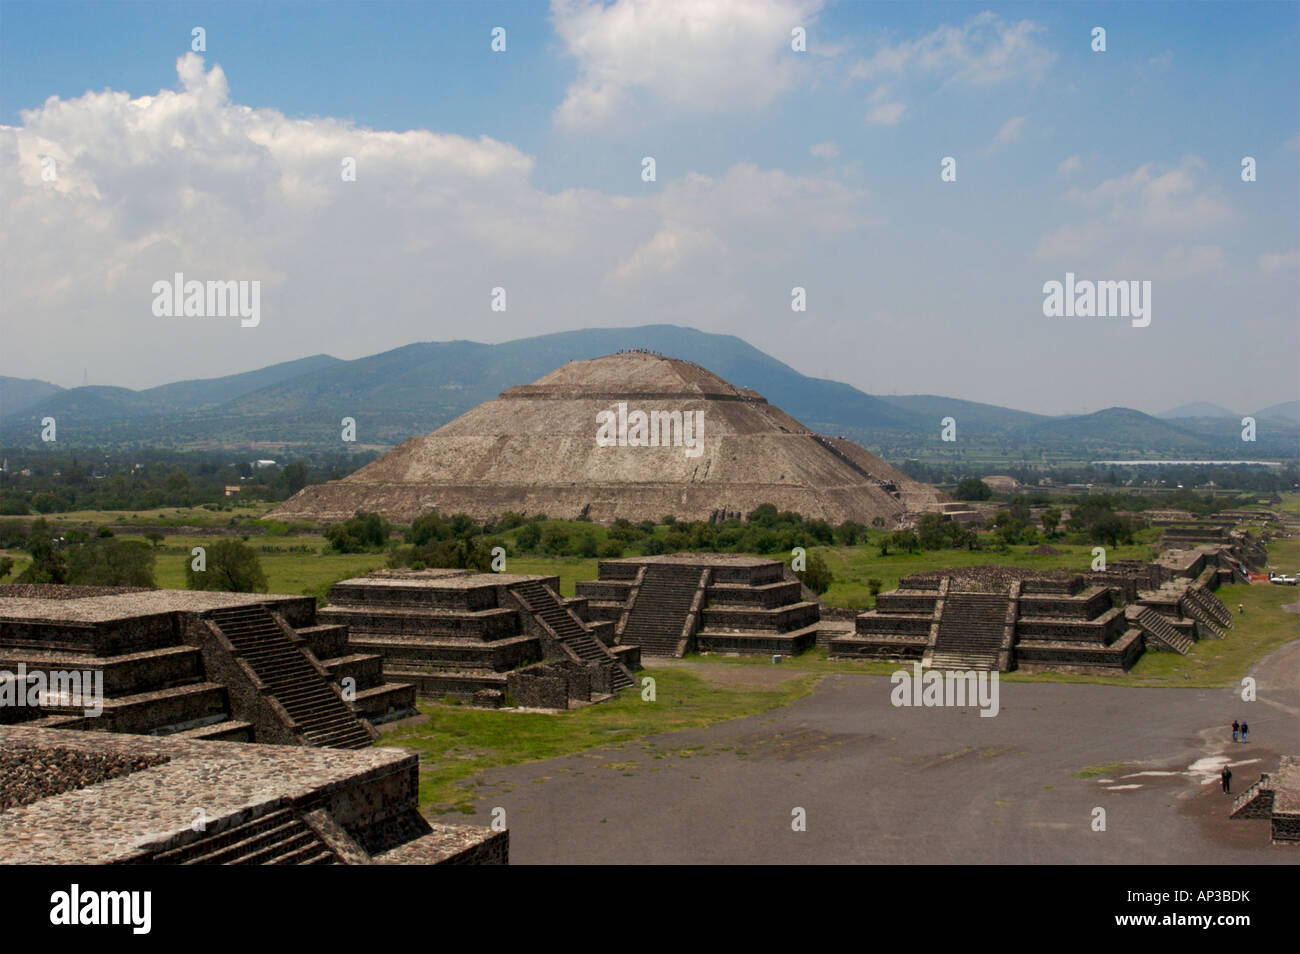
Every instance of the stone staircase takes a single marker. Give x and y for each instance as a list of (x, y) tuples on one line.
[(1157, 627), (279, 837), (1190, 608), (572, 634), (1211, 604), (661, 609), (322, 716), (1244, 805), (970, 631)]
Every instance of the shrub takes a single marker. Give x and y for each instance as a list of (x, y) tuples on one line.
[(232, 567), (817, 575)]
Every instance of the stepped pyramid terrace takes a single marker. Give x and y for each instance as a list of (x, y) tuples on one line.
[(1275, 796), (1001, 618), (241, 667), (631, 435), (482, 637), (94, 798), (704, 602)]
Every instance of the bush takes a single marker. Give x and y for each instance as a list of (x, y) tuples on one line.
[(365, 531), (530, 537), (610, 550), (111, 562), (555, 540), (972, 488), (232, 567), (817, 575)]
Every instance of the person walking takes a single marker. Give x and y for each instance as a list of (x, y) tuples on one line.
[(1235, 729), (1244, 729), (1226, 775)]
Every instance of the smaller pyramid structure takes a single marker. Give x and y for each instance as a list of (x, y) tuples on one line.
[(634, 435)]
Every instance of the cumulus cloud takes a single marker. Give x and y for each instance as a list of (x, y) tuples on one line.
[(825, 150), (1159, 197), (688, 56), (188, 181), (1143, 219), (986, 49)]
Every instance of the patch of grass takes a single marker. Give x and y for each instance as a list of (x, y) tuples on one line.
[(569, 569), (1096, 771), (456, 744)]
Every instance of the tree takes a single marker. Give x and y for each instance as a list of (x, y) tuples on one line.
[(364, 531), (1051, 519), (48, 564), (428, 529), (817, 575), (7, 566), (46, 502), (294, 476), (232, 567), (529, 537), (107, 561), (972, 488)]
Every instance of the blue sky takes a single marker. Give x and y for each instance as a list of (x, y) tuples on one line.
[(774, 169)]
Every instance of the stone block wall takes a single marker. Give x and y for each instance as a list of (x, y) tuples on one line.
[(553, 685)]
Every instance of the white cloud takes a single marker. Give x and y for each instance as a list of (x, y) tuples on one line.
[(825, 150), (1162, 62), (1279, 261), (984, 50), (886, 114), (1144, 222), (188, 181), (1007, 134), (687, 56), (1069, 166), (1158, 197)]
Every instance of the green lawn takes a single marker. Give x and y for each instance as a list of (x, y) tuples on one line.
[(458, 742)]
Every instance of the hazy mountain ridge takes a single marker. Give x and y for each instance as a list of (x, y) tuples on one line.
[(415, 389)]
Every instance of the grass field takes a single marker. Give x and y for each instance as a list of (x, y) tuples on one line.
[(457, 742)]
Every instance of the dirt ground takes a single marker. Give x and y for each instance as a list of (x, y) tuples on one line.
[(883, 784)]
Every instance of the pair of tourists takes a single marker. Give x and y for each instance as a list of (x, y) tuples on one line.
[(1239, 727)]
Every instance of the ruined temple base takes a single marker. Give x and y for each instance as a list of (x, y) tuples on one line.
[(98, 798)]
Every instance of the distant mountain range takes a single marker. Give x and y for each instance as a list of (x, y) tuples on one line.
[(415, 389), (1287, 411)]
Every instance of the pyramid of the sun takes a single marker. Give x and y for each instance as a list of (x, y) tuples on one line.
[(541, 448)]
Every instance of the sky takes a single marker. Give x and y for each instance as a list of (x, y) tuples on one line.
[(128, 156)]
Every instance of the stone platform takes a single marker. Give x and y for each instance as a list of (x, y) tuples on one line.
[(704, 602), (204, 665), (1001, 618), (478, 636), (125, 799), (1276, 796)]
